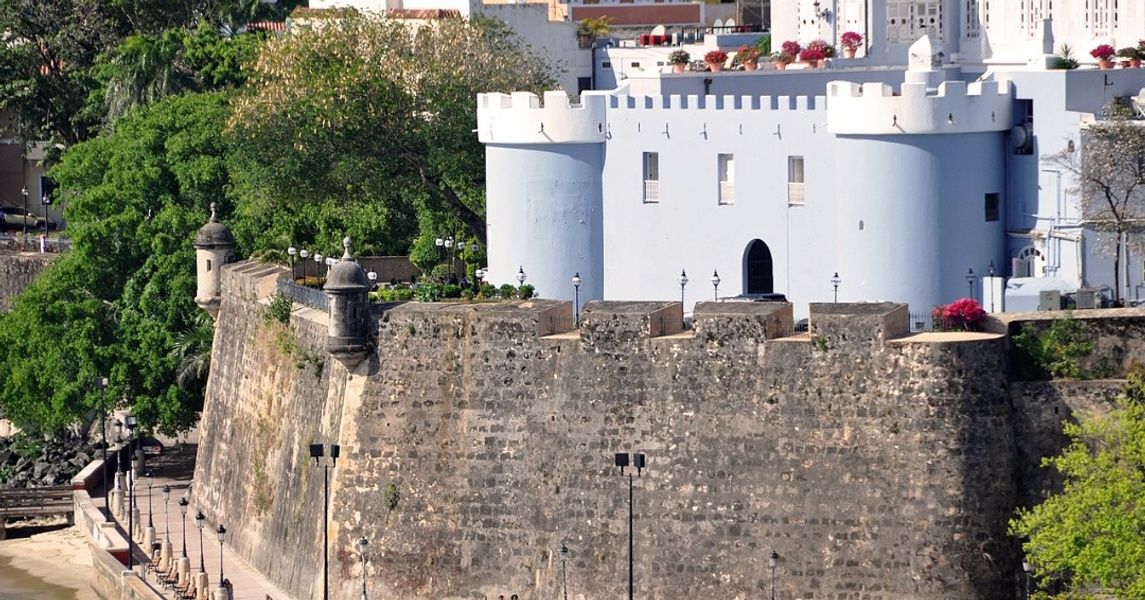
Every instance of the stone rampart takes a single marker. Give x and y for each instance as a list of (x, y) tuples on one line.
[(17, 270), (873, 469)]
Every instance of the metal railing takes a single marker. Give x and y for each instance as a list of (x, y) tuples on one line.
[(301, 294), (922, 322)]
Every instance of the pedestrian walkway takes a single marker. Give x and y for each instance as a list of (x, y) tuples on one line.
[(174, 467)]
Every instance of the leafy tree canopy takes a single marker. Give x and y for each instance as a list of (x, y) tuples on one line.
[(121, 303), (365, 127), (1091, 536)]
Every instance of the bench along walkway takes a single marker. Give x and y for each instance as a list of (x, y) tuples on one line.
[(24, 503)]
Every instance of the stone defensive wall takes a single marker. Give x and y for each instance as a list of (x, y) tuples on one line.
[(17, 270), (876, 463), (954, 107)]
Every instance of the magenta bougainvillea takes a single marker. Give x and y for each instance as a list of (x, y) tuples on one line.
[(965, 314)]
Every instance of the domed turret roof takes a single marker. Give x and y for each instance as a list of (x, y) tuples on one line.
[(347, 275), (214, 234)]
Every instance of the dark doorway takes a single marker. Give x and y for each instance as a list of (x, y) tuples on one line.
[(758, 277)]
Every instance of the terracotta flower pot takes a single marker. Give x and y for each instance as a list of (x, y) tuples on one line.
[(678, 68), (1104, 64), (1126, 63), (849, 52), (1135, 63), (715, 67), (780, 66), (749, 66)]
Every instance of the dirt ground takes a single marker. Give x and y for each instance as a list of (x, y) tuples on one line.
[(45, 560)]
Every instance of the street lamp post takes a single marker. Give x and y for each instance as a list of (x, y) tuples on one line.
[(24, 217), (292, 251), (835, 281), (200, 521), (130, 424), (683, 279), (149, 532), (373, 277), (991, 273), (564, 551), (317, 452), (304, 254), (520, 275), (318, 258), (772, 562), (184, 562), (637, 460), (101, 385), (576, 281), (222, 593), (716, 286), (362, 543), (970, 279), (1026, 579)]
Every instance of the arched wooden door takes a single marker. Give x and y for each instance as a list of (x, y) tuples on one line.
[(758, 272)]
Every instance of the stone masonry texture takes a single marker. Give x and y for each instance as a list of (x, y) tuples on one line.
[(876, 466), (17, 270)]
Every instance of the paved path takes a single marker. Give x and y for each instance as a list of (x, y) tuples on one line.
[(174, 467)]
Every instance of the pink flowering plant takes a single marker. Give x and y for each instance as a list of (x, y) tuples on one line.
[(822, 46), (965, 314), (812, 55), (791, 47), (851, 40), (1103, 52), (718, 57)]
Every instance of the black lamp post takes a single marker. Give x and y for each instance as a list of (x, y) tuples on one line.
[(622, 460), (970, 279), (772, 561), (130, 424), (520, 275), (150, 481), (991, 273), (292, 251), (318, 258), (166, 513), (303, 254), (835, 281), (222, 531), (683, 279), (576, 281), (373, 277), (1026, 579), (101, 385), (362, 543), (200, 521), (24, 193), (317, 452), (716, 286), (183, 503), (564, 552)]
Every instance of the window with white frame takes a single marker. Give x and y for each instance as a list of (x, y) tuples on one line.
[(899, 21), (1099, 16), (909, 20), (651, 177), (725, 165), (795, 180)]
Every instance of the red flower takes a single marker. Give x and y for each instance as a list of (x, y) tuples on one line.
[(1103, 52)]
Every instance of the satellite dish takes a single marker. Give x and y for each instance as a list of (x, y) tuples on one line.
[(659, 30), (730, 23), (1021, 138), (718, 23)]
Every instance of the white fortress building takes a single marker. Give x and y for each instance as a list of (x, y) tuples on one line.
[(901, 170)]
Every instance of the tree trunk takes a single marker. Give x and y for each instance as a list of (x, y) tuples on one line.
[(1117, 270)]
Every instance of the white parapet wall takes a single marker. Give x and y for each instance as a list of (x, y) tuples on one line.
[(522, 118), (954, 107)]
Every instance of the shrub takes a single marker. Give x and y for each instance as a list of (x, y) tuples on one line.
[(965, 314), (487, 290), (506, 291), (526, 291), (278, 309), (679, 57), (428, 292), (451, 290), (1053, 352)]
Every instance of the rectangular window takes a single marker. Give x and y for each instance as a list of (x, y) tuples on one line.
[(973, 22), (795, 180), (606, 64), (992, 206), (651, 177), (725, 166)]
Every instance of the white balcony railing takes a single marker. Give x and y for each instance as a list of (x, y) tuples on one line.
[(795, 193), (651, 190), (727, 192)]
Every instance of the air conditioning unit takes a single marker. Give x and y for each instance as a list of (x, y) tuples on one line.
[(1087, 298), (1049, 300)]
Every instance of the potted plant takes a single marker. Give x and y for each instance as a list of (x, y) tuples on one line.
[(851, 42), (821, 45), (1127, 55), (1104, 55), (679, 60), (747, 56), (716, 59), (812, 56), (781, 60)]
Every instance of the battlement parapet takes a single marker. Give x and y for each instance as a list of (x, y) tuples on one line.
[(694, 102), (523, 118), (953, 107)]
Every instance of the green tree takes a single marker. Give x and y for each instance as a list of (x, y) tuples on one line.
[(1091, 536), (366, 128), (1109, 170), (121, 303)]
